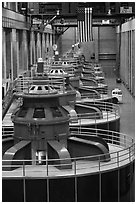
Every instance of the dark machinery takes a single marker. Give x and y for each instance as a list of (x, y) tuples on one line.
[(41, 130)]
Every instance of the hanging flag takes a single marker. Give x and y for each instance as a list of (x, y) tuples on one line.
[(84, 18)]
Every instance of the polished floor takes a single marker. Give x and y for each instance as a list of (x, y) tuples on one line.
[(127, 108)]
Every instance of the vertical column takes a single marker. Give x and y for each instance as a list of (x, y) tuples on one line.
[(16, 5), (3, 55), (51, 44), (21, 51), (33, 152), (43, 46), (96, 38), (31, 48), (25, 50), (8, 52), (50, 39), (47, 40), (53, 38), (17, 41), (75, 39), (38, 46), (47, 45), (13, 54), (34, 47), (131, 62)]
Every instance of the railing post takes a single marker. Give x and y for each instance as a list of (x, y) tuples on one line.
[(129, 154), (99, 163), (107, 115), (80, 123), (47, 166), (63, 85), (28, 87), (75, 180), (23, 168), (118, 185), (118, 159), (112, 137), (99, 182), (75, 167)]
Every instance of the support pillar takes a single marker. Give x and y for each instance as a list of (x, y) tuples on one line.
[(53, 38), (17, 52), (3, 55), (32, 48), (25, 46), (33, 152), (50, 46), (47, 40), (43, 46), (96, 39), (50, 39), (47, 45), (13, 54), (38, 46)]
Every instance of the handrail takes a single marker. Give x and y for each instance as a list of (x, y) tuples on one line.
[(124, 154), (25, 83), (109, 111)]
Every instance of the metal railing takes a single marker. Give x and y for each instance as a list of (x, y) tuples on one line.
[(24, 84), (107, 112), (95, 95), (14, 23), (122, 154), (7, 131)]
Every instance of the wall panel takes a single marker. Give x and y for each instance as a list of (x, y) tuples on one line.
[(8, 52), (133, 63), (127, 54)]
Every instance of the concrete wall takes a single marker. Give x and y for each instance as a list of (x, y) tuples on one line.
[(126, 40), (68, 39), (20, 47), (103, 46)]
